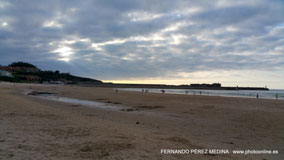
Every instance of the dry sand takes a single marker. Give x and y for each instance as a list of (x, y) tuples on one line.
[(35, 128)]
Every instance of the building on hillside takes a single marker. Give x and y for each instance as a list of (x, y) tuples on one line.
[(25, 69), (56, 82), (32, 77), (5, 73), (29, 77)]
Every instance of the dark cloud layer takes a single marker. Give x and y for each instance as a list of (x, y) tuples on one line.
[(114, 39)]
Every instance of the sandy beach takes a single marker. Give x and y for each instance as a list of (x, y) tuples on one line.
[(144, 123)]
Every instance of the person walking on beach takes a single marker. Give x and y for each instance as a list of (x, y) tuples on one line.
[(276, 95), (116, 91), (257, 96)]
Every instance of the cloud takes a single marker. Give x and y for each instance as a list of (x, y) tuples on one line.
[(133, 39)]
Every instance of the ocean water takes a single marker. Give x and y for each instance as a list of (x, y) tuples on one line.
[(271, 94)]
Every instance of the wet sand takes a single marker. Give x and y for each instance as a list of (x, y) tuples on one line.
[(36, 128)]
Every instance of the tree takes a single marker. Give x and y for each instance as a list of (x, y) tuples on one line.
[(22, 64)]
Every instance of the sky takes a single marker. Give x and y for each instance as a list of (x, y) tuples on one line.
[(235, 43)]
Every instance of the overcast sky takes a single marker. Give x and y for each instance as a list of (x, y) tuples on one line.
[(149, 41)]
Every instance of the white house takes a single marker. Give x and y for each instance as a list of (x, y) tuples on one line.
[(5, 73)]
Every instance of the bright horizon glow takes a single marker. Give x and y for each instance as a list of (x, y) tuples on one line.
[(241, 78), (187, 82), (184, 82)]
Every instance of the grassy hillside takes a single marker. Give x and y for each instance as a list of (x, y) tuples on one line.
[(25, 72)]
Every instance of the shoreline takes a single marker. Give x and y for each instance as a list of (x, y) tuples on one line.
[(204, 93)]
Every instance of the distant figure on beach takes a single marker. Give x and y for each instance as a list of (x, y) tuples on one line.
[(116, 91), (200, 92), (186, 92), (163, 91), (142, 90), (276, 95), (257, 96)]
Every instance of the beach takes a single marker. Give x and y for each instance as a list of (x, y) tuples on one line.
[(142, 126)]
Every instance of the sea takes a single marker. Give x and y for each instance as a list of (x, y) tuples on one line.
[(270, 94)]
